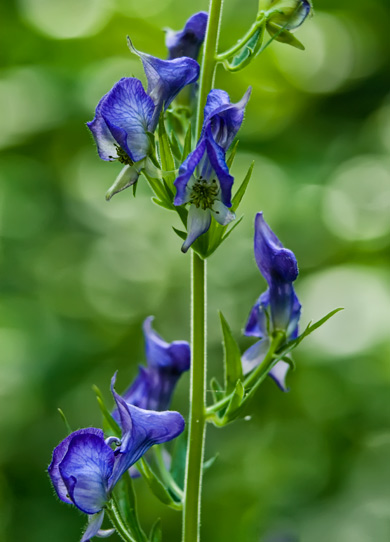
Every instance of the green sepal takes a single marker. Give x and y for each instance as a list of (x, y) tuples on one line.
[(232, 357), (110, 422), (216, 389), (166, 156), (187, 143), (236, 200), (126, 502), (156, 485), (248, 51), (135, 186), (284, 36), (65, 420), (232, 154), (155, 533)]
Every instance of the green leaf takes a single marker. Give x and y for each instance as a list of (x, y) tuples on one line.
[(287, 348), (232, 357), (65, 420), (248, 51), (236, 223), (125, 500), (179, 456), (235, 402), (152, 154), (232, 154), (156, 486), (155, 533), (159, 189), (176, 147), (166, 156), (111, 423), (162, 204), (242, 189), (216, 390), (187, 143), (284, 36), (181, 234)]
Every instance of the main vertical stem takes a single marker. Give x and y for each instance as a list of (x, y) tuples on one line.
[(193, 483), (196, 432)]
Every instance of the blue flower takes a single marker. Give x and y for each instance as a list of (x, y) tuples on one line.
[(204, 180), (187, 42), (286, 13), (154, 386), (278, 308), (127, 115), (85, 469)]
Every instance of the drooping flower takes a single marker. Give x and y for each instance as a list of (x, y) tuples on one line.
[(85, 469), (288, 14), (187, 42), (204, 180), (127, 115), (155, 384), (278, 308)]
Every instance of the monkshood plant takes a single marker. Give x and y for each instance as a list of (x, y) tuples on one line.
[(178, 135)]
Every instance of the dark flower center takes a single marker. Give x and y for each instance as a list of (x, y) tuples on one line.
[(204, 194), (122, 157)]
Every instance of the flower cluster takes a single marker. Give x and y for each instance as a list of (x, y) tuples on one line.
[(204, 180), (278, 308), (85, 469), (126, 116)]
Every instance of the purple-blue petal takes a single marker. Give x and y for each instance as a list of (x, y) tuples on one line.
[(198, 222), (104, 139), (279, 373), (175, 356), (254, 355), (59, 454), (128, 111), (216, 157), (141, 429), (187, 42), (256, 325), (223, 117), (86, 469), (94, 523), (273, 260), (279, 267), (186, 171)]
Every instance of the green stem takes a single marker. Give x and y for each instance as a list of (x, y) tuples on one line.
[(209, 63), (255, 378), (240, 44), (197, 421), (196, 432)]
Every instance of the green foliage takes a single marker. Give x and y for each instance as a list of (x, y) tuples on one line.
[(156, 485)]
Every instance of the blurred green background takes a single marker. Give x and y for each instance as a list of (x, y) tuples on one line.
[(79, 275)]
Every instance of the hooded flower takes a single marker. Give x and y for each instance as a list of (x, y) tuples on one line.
[(278, 308), (127, 115), (187, 42), (85, 469), (155, 384), (204, 180)]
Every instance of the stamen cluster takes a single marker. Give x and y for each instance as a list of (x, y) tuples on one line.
[(204, 194)]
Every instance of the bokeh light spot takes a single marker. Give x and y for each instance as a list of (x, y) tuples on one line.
[(64, 19), (356, 204)]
